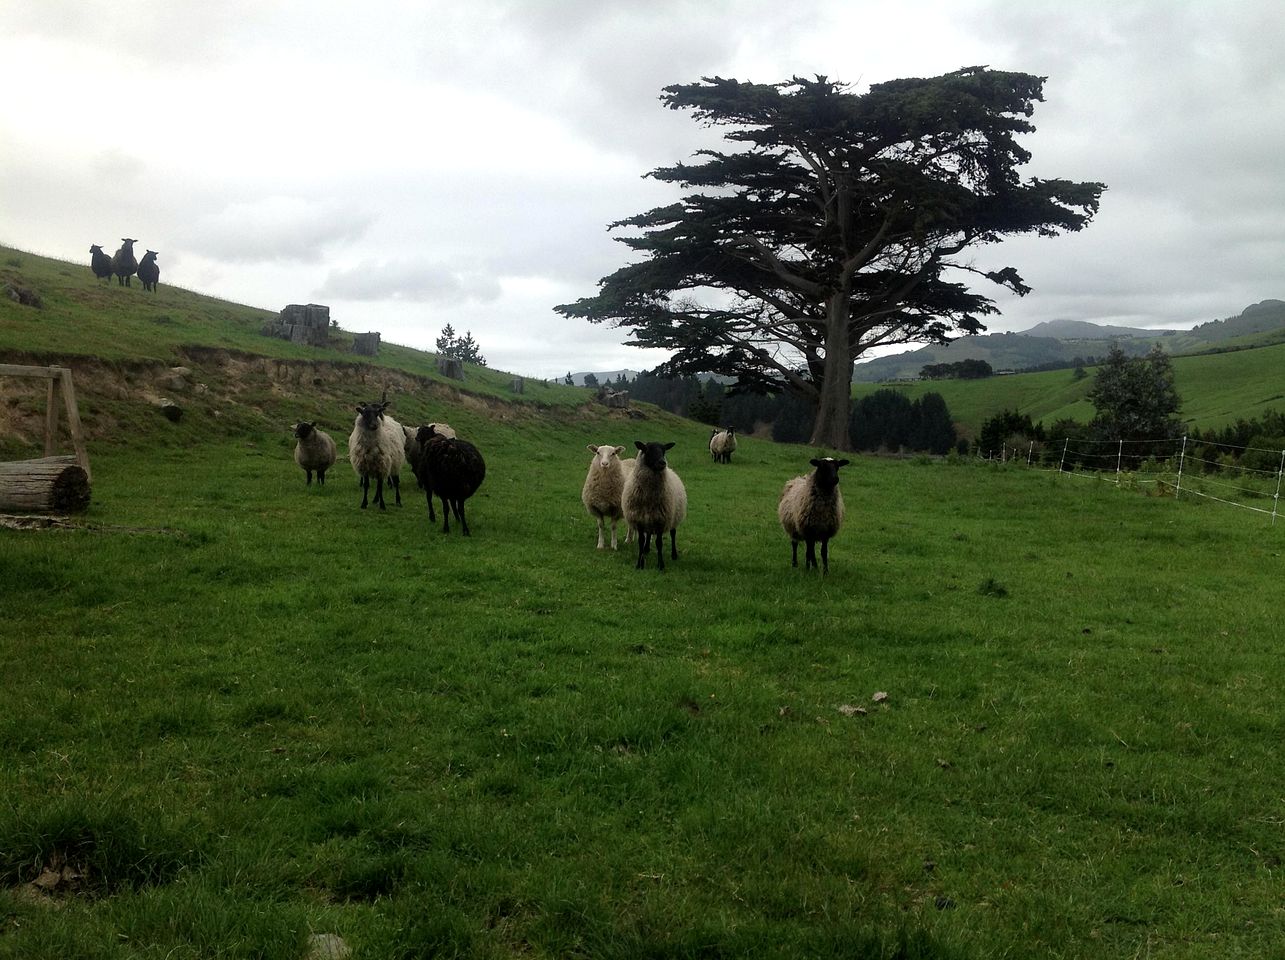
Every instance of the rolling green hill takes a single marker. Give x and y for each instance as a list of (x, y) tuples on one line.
[(1216, 389)]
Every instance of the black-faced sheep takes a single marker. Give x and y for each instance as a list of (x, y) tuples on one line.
[(100, 263), (377, 448), (123, 263), (722, 445), (811, 509), (148, 271), (452, 469), (414, 449), (315, 450), (654, 501), (604, 485)]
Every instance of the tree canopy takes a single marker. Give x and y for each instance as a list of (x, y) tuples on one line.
[(463, 348), (835, 223), (1135, 398)]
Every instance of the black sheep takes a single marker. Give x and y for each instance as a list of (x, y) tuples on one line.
[(100, 263), (123, 263), (148, 271), (453, 470)]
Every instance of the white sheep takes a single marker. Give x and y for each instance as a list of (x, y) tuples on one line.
[(722, 444), (811, 509), (654, 501), (603, 487), (377, 448), (314, 451)]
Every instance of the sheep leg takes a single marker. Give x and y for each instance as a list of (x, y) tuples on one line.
[(432, 514), (601, 542), (459, 515), (825, 556), (365, 489), (794, 553), (379, 491), (660, 551), (397, 487), (446, 516), (673, 544), (812, 554), (644, 546), (321, 477), (613, 535), (309, 473)]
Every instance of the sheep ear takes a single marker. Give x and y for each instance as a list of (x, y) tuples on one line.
[(358, 408), (670, 445), (619, 450), (843, 463), (640, 445), (591, 447), (815, 462)]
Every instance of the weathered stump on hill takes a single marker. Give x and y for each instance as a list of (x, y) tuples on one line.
[(47, 485), (517, 385), (450, 367), (366, 344)]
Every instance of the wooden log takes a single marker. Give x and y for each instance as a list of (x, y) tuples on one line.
[(48, 485)]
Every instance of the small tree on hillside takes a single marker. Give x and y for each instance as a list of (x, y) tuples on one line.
[(464, 348), (1135, 400), (591, 380)]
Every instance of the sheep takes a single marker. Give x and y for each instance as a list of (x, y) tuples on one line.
[(654, 501), (414, 449), (603, 486), (314, 451), (722, 444), (377, 447), (452, 469), (148, 271), (100, 263), (123, 263), (811, 509)]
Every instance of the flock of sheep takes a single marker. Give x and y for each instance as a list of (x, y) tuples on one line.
[(123, 265), (644, 491), (650, 498)]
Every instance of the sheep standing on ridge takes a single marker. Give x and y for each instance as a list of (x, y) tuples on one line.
[(452, 469), (377, 448), (722, 445), (100, 263), (123, 263), (654, 501), (148, 271), (811, 509), (603, 488), (314, 451)]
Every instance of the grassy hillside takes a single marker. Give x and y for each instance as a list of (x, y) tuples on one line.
[(81, 316), (1215, 389)]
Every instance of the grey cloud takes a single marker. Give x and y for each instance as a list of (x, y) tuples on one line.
[(276, 228), (419, 282)]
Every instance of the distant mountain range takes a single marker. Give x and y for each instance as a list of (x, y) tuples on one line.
[(1064, 341)]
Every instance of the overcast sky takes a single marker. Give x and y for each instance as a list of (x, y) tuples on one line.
[(413, 164)]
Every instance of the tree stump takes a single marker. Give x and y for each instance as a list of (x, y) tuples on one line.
[(48, 485)]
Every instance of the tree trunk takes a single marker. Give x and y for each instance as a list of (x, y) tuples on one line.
[(50, 485), (834, 406)]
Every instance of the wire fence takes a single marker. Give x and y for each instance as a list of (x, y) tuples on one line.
[(1250, 478)]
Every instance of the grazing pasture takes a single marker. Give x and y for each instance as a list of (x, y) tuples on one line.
[(239, 711)]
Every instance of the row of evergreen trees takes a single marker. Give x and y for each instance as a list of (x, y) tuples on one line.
[(885, 420)]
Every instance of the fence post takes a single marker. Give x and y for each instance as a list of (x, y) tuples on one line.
[(1119, 460), (1182, 456), (1030, 450), (1277, 499), (1062, 462)]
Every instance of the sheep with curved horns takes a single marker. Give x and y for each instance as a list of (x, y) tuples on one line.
[(123, 263), (603, 488), (377, 448), (452, 469), (315, 450), (148, 271), (722, 444), (811, 509), (100, 263), (654, 501)]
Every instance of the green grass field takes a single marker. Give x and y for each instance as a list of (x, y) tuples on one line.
[(239, 711)]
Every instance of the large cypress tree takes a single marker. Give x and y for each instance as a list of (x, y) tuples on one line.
[(838, 222)]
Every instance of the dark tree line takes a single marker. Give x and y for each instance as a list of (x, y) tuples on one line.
[(959, 370)]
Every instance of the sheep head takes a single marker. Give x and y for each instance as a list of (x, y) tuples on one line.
[(371, 414), (303, 429), (652, 455), (604, 454), (827, 471)]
